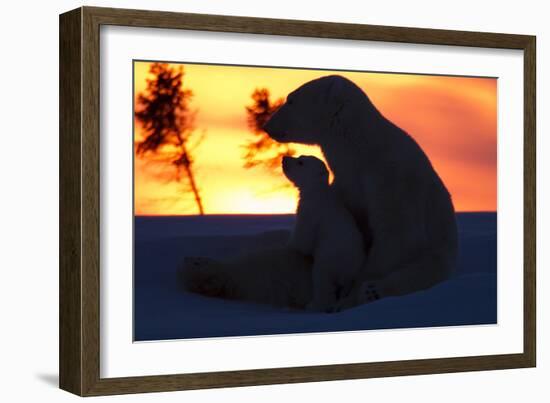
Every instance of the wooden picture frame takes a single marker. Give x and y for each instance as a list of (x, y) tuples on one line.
[(79, 346)]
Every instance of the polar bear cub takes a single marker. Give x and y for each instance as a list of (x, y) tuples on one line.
[(325, 230)]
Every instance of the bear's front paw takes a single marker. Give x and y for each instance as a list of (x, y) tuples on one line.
[(370, 292), (367, 293)]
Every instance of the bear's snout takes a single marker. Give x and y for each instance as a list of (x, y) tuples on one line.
[(276, 133)]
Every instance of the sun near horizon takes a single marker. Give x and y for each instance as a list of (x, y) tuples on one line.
[(454, 119)]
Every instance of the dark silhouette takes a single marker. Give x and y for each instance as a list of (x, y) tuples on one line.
[(167, 121), (263, 150), (381, 176)]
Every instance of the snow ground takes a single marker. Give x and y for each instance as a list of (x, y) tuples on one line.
[(162, 311)]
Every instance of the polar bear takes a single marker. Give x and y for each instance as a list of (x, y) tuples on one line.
[(383, 178), (325, 230)]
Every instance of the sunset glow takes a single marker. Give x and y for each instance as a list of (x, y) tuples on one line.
[(454, 119)]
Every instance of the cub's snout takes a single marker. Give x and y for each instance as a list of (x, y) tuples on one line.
[(287, 163)]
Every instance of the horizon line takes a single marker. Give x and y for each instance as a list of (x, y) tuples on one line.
[(273, 214)]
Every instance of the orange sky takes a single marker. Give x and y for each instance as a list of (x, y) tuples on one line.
[(454, 119)]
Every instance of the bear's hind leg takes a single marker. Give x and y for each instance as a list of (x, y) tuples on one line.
[(204, 276), (276, 276)]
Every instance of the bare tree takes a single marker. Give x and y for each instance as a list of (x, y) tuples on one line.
[(263, 150), (168, 125)]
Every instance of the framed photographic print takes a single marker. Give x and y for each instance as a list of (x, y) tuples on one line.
[(237, 192)]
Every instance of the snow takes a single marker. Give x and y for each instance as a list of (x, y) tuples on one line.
[(163, 311)]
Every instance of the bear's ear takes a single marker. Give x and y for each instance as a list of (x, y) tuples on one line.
[(340, 116), (334, 89), (338, 101), (337, 89)]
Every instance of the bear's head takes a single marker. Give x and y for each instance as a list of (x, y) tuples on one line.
[(314, 110), (305, 171)]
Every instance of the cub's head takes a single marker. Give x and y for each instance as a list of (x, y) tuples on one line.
[(310, 111), (305, 171)]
